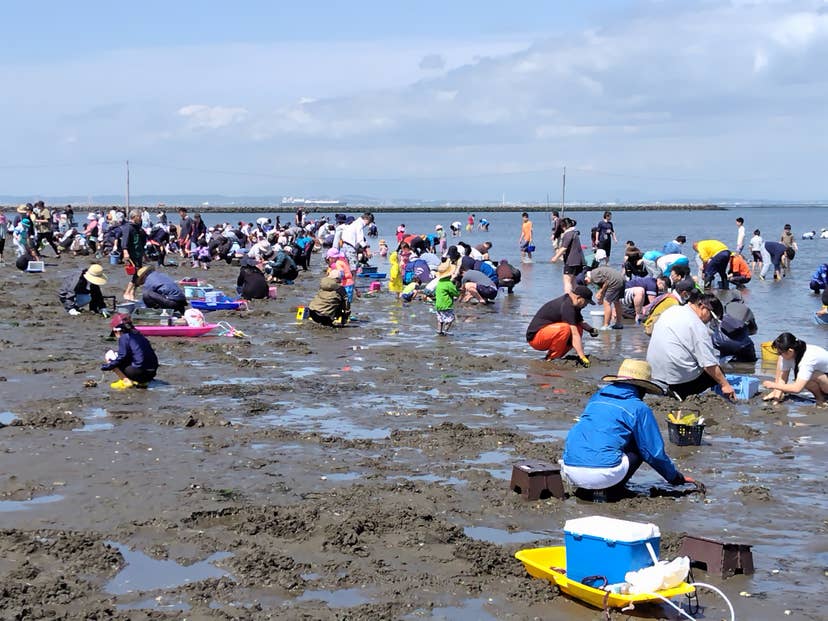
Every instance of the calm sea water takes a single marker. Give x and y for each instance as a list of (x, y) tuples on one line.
[(787, 305)]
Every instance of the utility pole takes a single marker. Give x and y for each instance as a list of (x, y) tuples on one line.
[(127, 188), (563, 192)]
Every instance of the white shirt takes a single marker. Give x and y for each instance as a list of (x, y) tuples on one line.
[(681, 346), (740, 237), (814, 360), (353, 233), (756, 243)]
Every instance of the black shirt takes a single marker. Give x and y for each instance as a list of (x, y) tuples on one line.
[(559, 310)]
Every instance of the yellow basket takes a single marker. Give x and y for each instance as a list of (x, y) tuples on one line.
[(768, 352)]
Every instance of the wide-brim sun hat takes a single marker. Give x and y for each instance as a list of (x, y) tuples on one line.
[(637, 373), (144, 272), (95, 274), (22, 209), (444, 268), (91, 216)]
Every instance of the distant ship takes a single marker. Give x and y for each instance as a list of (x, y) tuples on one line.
[(292, 201)]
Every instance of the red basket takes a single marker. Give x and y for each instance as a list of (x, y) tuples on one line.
[(129, 268)]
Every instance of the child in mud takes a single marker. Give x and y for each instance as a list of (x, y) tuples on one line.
[(444, 295), (809, 364)]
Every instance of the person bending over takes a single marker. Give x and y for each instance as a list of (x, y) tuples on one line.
[(558, 325), (809, 364), (160, 291), (681, 351), (615, 434)]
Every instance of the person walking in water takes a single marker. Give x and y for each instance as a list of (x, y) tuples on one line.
[(740, 235), (756, 245), (526, 239), (605, 234)]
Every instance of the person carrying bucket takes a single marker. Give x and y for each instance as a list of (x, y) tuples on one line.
[(615, 434)]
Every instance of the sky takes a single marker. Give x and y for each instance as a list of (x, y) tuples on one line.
[(423, 100)]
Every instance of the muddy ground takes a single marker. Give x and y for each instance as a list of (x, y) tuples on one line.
[(361, 473)]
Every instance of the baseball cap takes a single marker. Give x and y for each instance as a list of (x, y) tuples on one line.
[(684, 285), (583, 292)]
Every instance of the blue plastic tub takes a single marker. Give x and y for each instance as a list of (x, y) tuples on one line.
[(744, 386), (607, 547)]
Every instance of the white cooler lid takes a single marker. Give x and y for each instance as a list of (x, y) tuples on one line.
[(611, 528)]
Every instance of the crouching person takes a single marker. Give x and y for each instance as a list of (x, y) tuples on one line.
[(135, 364), (330, 305), (83, 288), (160, 291), (615, 434)]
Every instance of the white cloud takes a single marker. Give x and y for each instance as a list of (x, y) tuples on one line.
[(211, 117)]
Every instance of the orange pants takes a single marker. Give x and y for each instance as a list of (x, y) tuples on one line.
[(555, 339)]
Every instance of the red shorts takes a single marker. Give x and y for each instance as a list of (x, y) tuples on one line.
[(555, 339)]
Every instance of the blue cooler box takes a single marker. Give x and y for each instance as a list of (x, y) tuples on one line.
[(602, 546)]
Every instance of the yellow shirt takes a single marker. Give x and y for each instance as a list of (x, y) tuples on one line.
[(709, 248)]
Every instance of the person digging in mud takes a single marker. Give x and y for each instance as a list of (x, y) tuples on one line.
[(330, 306), (558, 325), (160, 291), (809, 364), (615, 434), (135, 364), (83, 288), (681, 349)]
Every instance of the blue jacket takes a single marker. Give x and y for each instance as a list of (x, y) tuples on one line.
[(820, 276), (616, 421), (133, 349), (672, 247)]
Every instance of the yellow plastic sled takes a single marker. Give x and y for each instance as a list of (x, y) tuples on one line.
[(550, 564)]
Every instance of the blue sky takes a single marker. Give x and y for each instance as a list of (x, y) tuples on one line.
[(640, 100)]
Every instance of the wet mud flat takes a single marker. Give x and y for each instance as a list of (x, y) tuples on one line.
[(309, 473)]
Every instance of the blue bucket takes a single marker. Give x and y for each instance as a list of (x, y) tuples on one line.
[(114, 258)]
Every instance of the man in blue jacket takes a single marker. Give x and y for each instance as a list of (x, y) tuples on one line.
[(615, 434)]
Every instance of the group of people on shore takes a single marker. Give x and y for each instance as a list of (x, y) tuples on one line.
[(690, 331)]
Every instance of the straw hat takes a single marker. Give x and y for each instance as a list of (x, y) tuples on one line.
[(144, 272), (95, 274), (637, 373), (22, 209)]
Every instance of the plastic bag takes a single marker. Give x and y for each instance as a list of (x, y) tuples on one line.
[(660, 576)]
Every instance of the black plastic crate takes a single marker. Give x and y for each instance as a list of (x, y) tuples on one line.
[(685, 435)]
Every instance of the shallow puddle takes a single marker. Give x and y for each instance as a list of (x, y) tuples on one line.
[(322, 420), (24, 505), (469, 610), (503, 537), (143, 573), (342, 598), (7, 418), (156, 603)]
